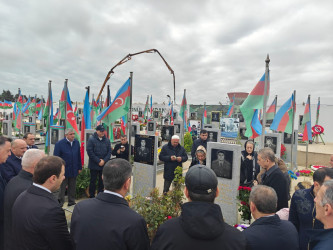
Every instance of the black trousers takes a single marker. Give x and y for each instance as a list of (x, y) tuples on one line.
[(71, 183), (92, 185), (166, 186)]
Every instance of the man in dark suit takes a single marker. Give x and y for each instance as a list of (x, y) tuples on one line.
[(13, 166), (29, 138), (16, 186), (268, 231), (107, 222), (4, 153), (68, 149), (273, 177), (38, 220)]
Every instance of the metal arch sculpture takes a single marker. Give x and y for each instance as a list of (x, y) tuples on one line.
[(129, 57)]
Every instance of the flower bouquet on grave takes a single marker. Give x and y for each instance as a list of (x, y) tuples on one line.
[(241, 227), (244, 206), (304, 173), (283, 153)]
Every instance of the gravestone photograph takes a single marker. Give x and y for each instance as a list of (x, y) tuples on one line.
[(144, 149), (273, 141), (167, 132), (215, 116), (214, 135)]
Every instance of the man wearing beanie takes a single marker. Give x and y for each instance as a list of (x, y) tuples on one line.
[(201, 224)]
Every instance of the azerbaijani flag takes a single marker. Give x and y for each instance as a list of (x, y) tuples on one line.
[(70, 117), (151, 105), (146, 109), (271, 110), (93, 112), (85, 123), (318, 109), (231, 107), (171, 114), (55, 116), (7, 104), (25, 109), (283, 119), (123, 124), (183, 110), (250, 107), (62, 103), (119, 107), (306, 122), (18, 123), (204, 117), (19, 100)]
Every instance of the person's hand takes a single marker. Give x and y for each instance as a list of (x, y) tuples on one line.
[(80, 171), (101, 163), (249, 157), (255, 183), (118, 151), (179, 158), (173, 158)]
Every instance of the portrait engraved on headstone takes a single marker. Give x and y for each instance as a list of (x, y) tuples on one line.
[(228, 176), (193, 116), (273, 141), (150, 126), (175, 114), (62, 122), (144, 149), (215, 116), (242, 133), (140, 113), (167, 132), (54, 136), (30, 119), (26, 128), (156, 114), (177, 128), (5, 128)]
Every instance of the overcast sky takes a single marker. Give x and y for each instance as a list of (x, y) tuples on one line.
[(214, 47)]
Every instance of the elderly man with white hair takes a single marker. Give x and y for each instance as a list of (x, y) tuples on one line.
[(16, 186), (173, 155)]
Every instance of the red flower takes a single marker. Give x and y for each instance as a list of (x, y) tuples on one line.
[(240, 188), (169, 217), (236, 225), (244, 203)]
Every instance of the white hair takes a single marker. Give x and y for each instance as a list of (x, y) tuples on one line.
[(31, 157), (175, 137)]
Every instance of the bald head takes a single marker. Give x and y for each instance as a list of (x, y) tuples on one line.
[(19, 147), (31, 158)]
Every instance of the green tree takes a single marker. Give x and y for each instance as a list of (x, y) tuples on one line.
[(7, 95)]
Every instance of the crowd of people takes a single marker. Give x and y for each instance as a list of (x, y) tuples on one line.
[(32, 193)]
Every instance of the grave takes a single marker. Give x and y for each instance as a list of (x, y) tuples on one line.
[(287, 144), (145, 163), (29, 127), (214, 135), (57, 133), (151, 128), (273, 141), (87, 134), (7, 128), (227, 175)]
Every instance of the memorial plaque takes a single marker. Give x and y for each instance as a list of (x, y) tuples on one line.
[(156, 114), (151, 128), (273, 141), (144, 172), (57, 133), (29, 127), (7, 128), (167, 131), (140, 113), (242, 134), (215, 116), (193, 116), (175, 114), (195, 126), (224, 160), (287, 144), (214, 135), (229, 127)]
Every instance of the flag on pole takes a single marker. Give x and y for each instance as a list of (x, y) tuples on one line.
[(183, 110), (19, 101), (70, 117), (93, 112), (7, 104), (119, 107), (123, 124), (151, 105), (18, 124), (283, 119), (85, 123), (231, 107), (171, 114), (318, 109), (62, 104), (48, 115), (146, 109), (25, 109), (76, 111), (55, 117), (251, 106), (204, 117), (306, 122), (271, 110)]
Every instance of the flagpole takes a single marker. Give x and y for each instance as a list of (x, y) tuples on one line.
[(66, 90), (265, 103), (129, 120), (307, 142), (292, 132), (317, 119), (48, 133), (34, 116)]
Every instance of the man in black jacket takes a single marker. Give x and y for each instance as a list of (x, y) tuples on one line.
[(200, 225), (202, 141), (38, 220), (121, 150), (107, 222), (268, 231), (16, 186), (173, 155), (99, 152), (273, 177)]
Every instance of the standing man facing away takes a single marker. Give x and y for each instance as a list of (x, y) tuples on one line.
[(38, 220), (69, 150), (29, 138), (5, 145), (16, 186), (323, 238), (202, 141), (13, 165), (302, 211), (121, 150), (99, 152), (201, 224), (268, 231), (173, 155), (111, 222), (273, 176)]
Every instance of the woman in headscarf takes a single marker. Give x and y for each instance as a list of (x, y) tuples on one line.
[(200, 156), (249, 166)]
